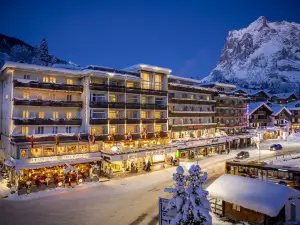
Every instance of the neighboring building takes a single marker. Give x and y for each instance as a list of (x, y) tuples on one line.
[(281, 115), (294, 108), (283, 98), (259, 115), (255, 95), (253, 201)]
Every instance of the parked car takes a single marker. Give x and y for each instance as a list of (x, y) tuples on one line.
[(275, 147), (243, 155)]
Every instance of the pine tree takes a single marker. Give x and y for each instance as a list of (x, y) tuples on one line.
[(189, 198)]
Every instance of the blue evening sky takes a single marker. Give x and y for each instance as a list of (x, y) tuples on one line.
[(185, 36)]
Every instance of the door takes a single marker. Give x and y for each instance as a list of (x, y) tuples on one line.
[(293, 212)]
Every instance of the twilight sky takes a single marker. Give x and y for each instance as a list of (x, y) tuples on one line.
[(185, 36)]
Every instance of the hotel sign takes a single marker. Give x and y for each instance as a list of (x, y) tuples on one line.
[(57, 158)]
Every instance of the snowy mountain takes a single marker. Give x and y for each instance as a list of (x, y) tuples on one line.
[(14, 49), (263, 55)]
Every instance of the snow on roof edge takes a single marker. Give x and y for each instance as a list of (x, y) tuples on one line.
[(149, 67), (184, 79)]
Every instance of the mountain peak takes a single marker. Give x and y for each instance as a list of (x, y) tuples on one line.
[(264, 55)]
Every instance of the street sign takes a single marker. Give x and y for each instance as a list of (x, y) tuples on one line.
[(165, 216)]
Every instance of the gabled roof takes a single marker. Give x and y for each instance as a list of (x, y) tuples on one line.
[(253, 106), (251, 91), (293, 105), (283, 95), (278, 108), (260, 196)]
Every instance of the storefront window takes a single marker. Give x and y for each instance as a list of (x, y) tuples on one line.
[(48, 151), (83, 148), (24, 153), (61, 150), (94, 148), (36, 152), (72, 149)]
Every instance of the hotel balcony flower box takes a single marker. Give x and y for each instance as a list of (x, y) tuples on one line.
[(51, 86), (117, 105), (98, 87), (48, 121), (50, 103), (96, 104), (192, 101), (147, 106), (117, 121), (63, 137), (133, 121), (147, 121), (133, 106), (161, 120), (99, 121), (161, 107)]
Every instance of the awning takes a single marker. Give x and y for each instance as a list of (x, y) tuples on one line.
[(23, 165)]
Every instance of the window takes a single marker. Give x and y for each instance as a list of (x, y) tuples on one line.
[(6, 96), (26, 77), (55, 130), (113, 98), (143, 114), (83, 148), (94, 148), (158, 115), (25, 114), (130, 85), (41, 115), (132, 114), (72, 149), (54, 115), (68, 129), (113, 130), (36, 152), (98, 114), (113, 114), (52, 79), (158, 84), (48, 151), (40, 130), (69, 98), (236, 207), (98, 130), (159, 101), (132, 129), (145, 100), (24, 130), (46, 79), (24, 154), (26, 95), (61, 150), (132, 99), (69, 115), (69, 81), (98, 97), (158, 127), (145, 80)]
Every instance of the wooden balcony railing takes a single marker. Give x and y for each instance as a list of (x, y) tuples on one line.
[(48, 103), (39, 121), (51, 86), (191, 101)]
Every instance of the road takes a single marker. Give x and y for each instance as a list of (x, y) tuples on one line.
[(128, 201)]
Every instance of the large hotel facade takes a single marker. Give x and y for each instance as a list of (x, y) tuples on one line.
[(64, 125)]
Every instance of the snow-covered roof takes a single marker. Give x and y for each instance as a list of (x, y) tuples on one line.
[(218, 84), (278, 108), (191, 80), (283, 95), (253, 106), (293, 105), (251, 91), (260, 196), (193, 87), (146, 67)]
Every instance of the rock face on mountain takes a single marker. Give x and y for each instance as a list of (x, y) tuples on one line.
[(263, 55), (14, 49)]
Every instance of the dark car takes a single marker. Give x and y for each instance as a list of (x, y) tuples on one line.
[(275, 147), (242, 155)]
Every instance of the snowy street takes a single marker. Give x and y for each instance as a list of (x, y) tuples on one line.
[(127, 201)]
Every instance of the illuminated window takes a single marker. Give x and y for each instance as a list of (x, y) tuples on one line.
[(143, 114), (113, 129), (130, 84), (158, 127), (52, 79), (158, 82), (25, 114), (113, 98), (48, 151), (26, 95), (6, 96), (132, 129), (24, 153), (145, 80), (36, 152), (69, 81), (61, 150), (46, 79), (72, 149), (83, 148), (24, 130), (41, 115), (54, 115), (158, 115), (113, 114), (94, 148), (69, 115)]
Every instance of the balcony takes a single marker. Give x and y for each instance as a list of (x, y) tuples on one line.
[(99, 121), (260, 120), (117, 121), (191, 89), (115, 88), (133, 121), (94, 104), (117, 105), (51, 86), (191, 114), (232, 125), (160, 107), (147, 106), (160, 120), (191, 101), (154, 92), (98, 87), (39, 121), (50, 138), (230, 105), (147, 121), (230, 114), (133, 106), (48, 103)]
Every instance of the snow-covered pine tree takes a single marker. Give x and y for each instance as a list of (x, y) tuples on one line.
[(191, 204)]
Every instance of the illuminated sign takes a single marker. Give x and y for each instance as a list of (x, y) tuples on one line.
[(57, 158)]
